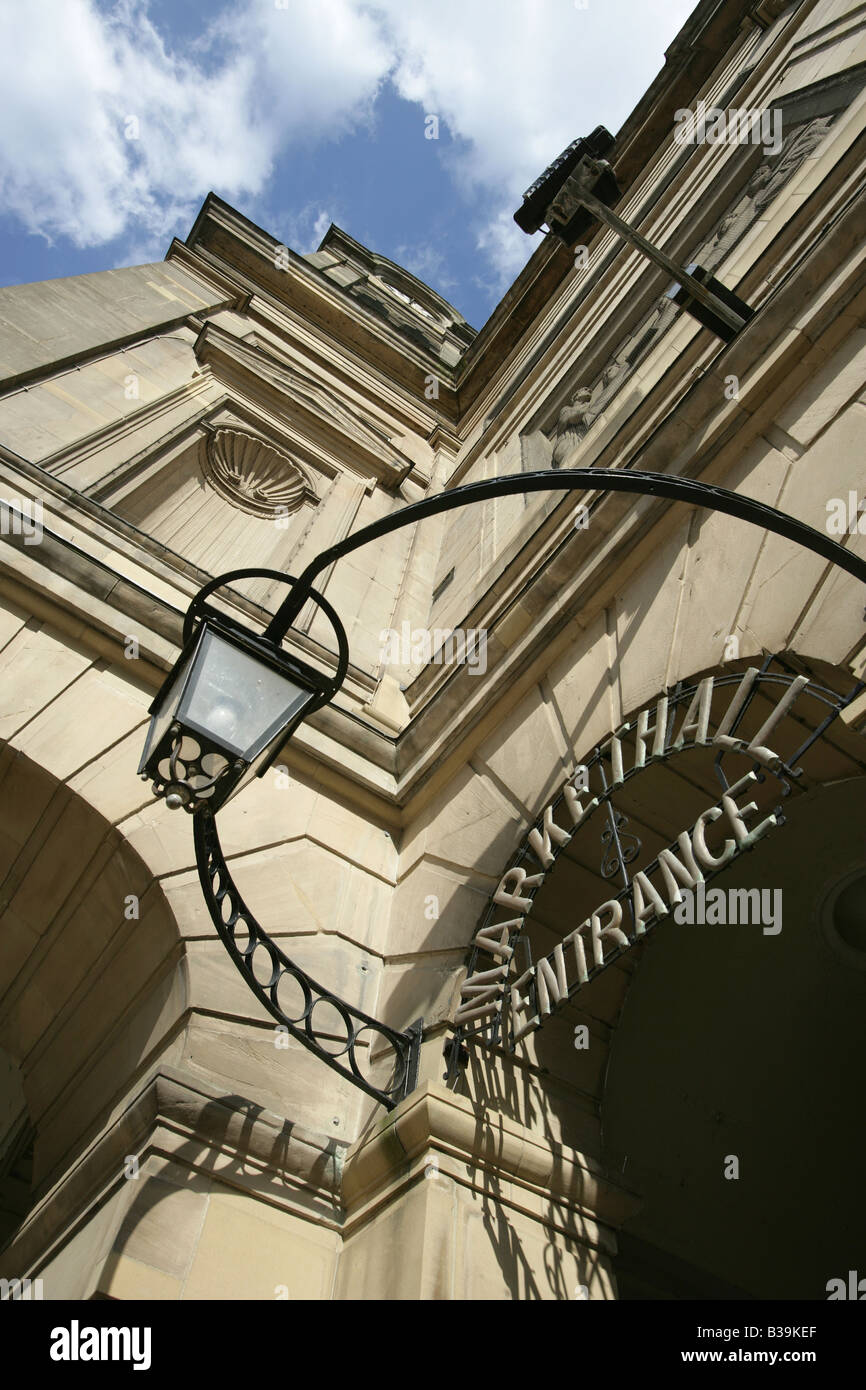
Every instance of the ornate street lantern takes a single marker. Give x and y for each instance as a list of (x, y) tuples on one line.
[(227, 706)]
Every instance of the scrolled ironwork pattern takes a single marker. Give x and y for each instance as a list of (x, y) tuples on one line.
[(191, 770), (272, 977), (621, 847)]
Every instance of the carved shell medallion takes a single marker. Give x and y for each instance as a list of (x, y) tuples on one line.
[(254, 475)]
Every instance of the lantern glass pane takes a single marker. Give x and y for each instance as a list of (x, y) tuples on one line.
[(165, 713), (237, 699)]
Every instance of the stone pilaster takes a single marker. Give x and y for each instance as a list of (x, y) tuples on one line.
[(449, 1200)]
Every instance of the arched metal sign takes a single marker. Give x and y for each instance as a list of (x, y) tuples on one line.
[(499, 1005)]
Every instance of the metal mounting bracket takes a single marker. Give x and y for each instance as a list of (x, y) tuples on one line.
[(698, 292)]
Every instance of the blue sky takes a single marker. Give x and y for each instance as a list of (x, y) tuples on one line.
[(120, 115)]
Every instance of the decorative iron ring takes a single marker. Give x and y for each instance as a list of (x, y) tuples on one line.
[(197, 611), (219, 888)]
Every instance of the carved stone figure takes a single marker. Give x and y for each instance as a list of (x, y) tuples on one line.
[(765, 183), (772, 174), (571, 426)]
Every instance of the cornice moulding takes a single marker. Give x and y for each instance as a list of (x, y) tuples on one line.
[(223, 239), (301, 346), (479, 1147), (128, 425), (189, 1121), (235, 360), (186, 257)]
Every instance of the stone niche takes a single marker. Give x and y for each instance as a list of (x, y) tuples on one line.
[(253, 474)]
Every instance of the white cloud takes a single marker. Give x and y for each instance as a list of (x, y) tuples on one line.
[(513, 83), (517, 82), (303, 231), (428, 263), (504, 248), (72, 77)]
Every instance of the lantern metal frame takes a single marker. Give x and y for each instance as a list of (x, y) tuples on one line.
[(237, 770), (246, 941)]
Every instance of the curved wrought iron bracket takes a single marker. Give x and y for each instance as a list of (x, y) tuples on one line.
[(270, 974), (632, 480), (259, 960)]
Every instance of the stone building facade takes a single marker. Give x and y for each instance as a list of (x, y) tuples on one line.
[(239, 404)]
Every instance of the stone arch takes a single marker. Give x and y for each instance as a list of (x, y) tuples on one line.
[(137, 1038), (91, 989), (567, 1089)]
